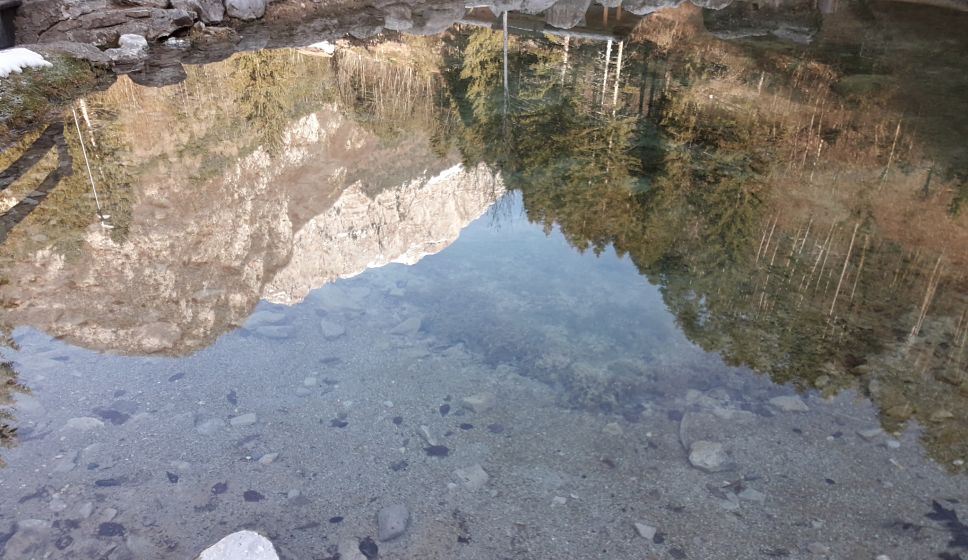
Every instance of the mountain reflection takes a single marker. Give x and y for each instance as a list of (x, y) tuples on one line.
[(793, 179)]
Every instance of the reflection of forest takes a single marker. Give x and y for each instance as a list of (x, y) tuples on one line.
[(799, 206)]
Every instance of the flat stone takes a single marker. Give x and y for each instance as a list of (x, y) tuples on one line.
[(473, 477), (392, 521), (268, 458), (244, 419), (645, 531), (789, 403), (613, 429), (871, 434), (310, 382), (84, 423), (707, 456), (479, 403), (243, 544), (331, 330), (274, 331), (349, 549), (752, 495)]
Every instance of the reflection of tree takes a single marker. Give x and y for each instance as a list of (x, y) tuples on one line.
[(9, 387), (699, 197)]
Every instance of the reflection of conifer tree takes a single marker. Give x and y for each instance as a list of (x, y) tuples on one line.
[(9, 387)]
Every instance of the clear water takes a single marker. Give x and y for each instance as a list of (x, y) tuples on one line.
[(312, 287)]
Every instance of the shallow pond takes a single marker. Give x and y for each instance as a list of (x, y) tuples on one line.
[(688, 285)]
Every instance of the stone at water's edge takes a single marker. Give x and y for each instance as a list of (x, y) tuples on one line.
[(243, 545), (245, 9)]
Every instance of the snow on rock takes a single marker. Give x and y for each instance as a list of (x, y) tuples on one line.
[(247, 545), (15, 60)]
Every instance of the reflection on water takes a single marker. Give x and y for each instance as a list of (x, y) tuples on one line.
[(724, 294)]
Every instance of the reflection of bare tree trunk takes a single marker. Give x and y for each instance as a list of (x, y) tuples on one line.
[(564, 60), (618, 73), (608, 58), (843, 271), (506, 93)]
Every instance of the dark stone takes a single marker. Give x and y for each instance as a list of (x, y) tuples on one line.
[(172, 477), (232, 397), (466, 426), (369, 548), (336, 519), (107, 482), (220, 488), (112, 416), (437, 450), (176, 377), (252, 496), (444, 409), (495, 428), (64, 542), (110, 529), (398, 420), (400, 465), (337, 423)]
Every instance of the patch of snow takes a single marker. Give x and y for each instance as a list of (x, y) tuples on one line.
[(325, 46), (15, 60)]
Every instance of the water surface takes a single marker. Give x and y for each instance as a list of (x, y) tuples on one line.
[(336, 283)]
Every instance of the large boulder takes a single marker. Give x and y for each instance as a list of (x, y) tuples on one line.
[(566, 14), (645, 7), (245, 9), (95, 21), (208, 11)]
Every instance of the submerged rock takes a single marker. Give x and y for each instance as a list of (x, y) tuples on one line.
[(473, 477), (392, 521), (243, 544), (481, 402), (789, 403), (708, 456)]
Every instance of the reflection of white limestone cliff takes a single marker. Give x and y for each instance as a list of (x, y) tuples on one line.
[(401, 225)]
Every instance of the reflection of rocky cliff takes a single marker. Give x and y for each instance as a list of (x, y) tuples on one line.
[(197, 256), (400, 225)]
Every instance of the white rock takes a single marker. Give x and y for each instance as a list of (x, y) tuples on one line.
[(244, 419), (245, 9), (392, 521), (818, 548), (247, 545), (707, 456), (209, 426), (268, 458), (789, 403), (645, 531), (132, 41), (481, 402), (559, 501), (310, 382), (349, 549), (473, 477), (408, 327)]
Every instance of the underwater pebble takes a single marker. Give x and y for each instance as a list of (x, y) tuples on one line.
[(252, 496), (437, 450), (479, 403), (707, 456), (789, 403), (268, 458), (645, 530), (613, 429), (392, 521), (83, 423), (244, 419), (473, 477)]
